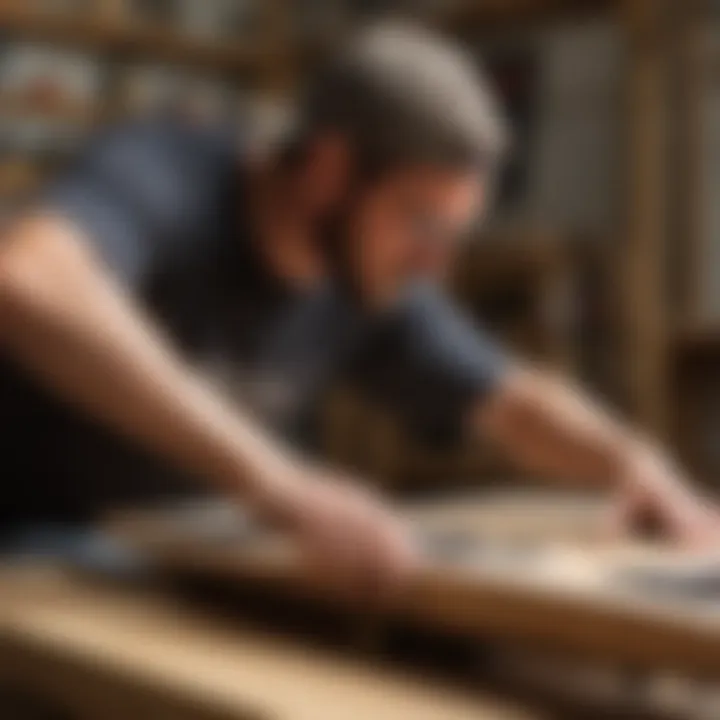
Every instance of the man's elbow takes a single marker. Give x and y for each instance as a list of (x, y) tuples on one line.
[(517, 401), (36, 259)]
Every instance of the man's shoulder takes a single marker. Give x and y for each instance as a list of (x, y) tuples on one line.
[(172, 173), (173, 140), (425, 302), (148, 186), (430, 321)]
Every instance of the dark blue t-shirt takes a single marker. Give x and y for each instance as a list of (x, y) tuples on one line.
[(163, 202)]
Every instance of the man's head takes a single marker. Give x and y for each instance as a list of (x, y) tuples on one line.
[(396, 144)]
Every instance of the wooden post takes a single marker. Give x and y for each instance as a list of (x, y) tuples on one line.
[(641, 265), (694, 81)]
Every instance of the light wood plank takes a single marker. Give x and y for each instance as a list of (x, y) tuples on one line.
[(146, 651)]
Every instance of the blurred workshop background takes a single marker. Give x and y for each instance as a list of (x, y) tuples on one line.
[(601, 255)]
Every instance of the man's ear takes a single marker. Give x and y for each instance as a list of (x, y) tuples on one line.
[(327, 171)]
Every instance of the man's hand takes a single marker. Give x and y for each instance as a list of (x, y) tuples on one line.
[(553, 429), (348, 535), (653, 496)]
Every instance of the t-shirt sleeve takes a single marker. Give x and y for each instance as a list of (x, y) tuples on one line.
[(138, 191), (429, 363)]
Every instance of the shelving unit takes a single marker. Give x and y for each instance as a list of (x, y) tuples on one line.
[(99, 33), (115, 42)]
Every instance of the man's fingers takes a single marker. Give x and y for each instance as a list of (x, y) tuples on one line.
[(352, 542), (378, 559), (392, 563), (620, 517)]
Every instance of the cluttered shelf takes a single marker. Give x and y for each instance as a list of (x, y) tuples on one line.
[(94, 32)]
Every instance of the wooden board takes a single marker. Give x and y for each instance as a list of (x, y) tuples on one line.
[(105, 652), (628, 603)]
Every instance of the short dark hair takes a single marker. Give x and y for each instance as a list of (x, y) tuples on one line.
[(404, 94)]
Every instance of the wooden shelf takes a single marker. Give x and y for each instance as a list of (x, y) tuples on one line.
[(697, 339), (502, 252), (103, 36), (17, 178), (468, 16), (62, 112)]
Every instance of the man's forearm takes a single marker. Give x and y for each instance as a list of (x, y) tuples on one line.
[(66, 321), (550, 428)]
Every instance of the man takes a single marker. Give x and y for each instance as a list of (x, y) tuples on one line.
[(163, 243)]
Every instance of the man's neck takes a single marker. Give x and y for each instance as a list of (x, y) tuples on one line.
[(286, 236)]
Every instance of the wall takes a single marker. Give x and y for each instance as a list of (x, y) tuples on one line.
[(574, 154), (577, 163)]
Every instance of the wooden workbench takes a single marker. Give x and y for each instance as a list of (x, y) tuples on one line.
[(106, 653), (627, 604)]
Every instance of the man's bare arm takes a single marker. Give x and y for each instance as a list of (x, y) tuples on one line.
[(64, 318), (550, 428)]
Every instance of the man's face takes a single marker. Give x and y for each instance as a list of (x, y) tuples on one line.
[(410, 225)]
